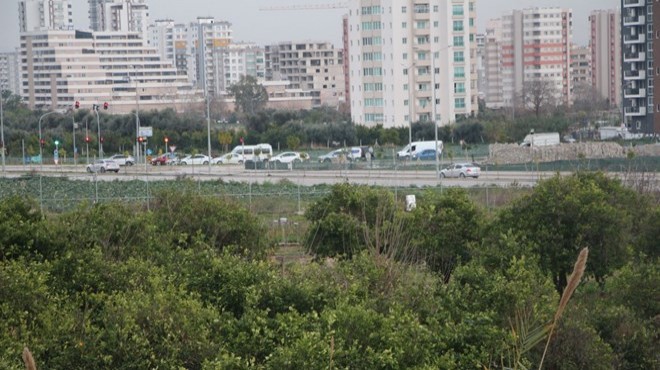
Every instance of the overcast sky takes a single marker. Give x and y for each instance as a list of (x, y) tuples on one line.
[(263, 27)]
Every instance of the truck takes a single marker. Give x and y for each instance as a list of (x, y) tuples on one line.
[(417, 147), (541, 139)]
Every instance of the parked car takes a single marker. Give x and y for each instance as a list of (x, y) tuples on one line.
[(360, 153), (229, 158), (461, 170), (333, 156), (165, 159), (103, 165), (123, 160), (425, 155), (195, 159), (289, 157)]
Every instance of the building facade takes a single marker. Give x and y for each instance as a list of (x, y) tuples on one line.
[(493, 90), (59, 68), (605, 43), (536, 54), (119, 16), (316, 67), (641, 71), (412, 60), (208, 41), (42, 15), (581, 67), (10, 72)]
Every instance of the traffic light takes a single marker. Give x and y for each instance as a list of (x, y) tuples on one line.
[(77, 104), (140, 139), (87, 140), (95, 107), (105, 106), (102, 139), (42, 142), (57, 142)]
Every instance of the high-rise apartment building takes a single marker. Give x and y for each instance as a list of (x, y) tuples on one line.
[(208, 41), (581, 67), (641, 71), (536, 53), (42, 15), (61, 67), (10, 72), (309, 66), (119, 16), (493, 90), (605, 44), (161, 37), (412, 60)]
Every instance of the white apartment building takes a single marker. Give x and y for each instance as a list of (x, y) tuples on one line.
[(412, 60), (536, 47), (41, 15), (207, 42), (119, 16), (493, 89), (10, 72), (161, 37), (605, 43), (61, 67), (243, 59), (309, 66)]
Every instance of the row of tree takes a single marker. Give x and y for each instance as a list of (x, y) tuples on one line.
[(448, 285)]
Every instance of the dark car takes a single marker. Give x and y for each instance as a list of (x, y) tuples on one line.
[(425, 155)]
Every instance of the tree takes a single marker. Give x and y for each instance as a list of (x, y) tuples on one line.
[(225, 138), (249, 95), (565, 214), (539, 95), (292, 142)]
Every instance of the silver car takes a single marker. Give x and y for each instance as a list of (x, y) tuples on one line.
[(461, 170), (123, 160), (103, 165)]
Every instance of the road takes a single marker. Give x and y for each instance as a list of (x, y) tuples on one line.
[(380, 177)]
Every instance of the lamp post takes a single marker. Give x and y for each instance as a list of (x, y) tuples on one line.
[(41, 155), (208, 129), (410, 70), (137, 116), (2, 131), (98, 128), (435, 121)]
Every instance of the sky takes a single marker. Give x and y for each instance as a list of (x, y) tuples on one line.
[(263, 27)]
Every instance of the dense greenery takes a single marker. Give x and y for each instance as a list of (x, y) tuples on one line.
[(188, 283), (284, 129)]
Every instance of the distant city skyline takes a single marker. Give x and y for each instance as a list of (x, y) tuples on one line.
[(275, 26)]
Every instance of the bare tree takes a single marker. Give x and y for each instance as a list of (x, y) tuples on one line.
[(539, 95)]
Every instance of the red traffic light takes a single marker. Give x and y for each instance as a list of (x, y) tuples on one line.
[(105, 105), (77, 104), (87, 140), (140, 139), (102, 139), (166, 139), (43, 142)]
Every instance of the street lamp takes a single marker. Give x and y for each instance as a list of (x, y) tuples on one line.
[(208, 128), (2, 131), (41, 154), (95, 107), (435, 121), (137, 114)]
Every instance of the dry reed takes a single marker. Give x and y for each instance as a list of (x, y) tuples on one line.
[(28, 359)]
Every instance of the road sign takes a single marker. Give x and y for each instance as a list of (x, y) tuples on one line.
[(146, 131), (172, 148)]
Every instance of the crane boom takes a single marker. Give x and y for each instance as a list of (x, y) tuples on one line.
[(305, 7)]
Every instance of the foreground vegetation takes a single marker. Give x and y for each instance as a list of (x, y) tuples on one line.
[(189, 283)]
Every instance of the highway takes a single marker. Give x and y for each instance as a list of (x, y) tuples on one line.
[(237, 173)]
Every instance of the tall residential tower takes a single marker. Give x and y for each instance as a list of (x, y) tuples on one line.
[(605, 46), (412, 60)]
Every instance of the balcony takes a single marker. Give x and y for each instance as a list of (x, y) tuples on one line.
[(635, 111), (634, 93), (634, 57), (633, 3), (634, 21), (636, 39), (634, 75)]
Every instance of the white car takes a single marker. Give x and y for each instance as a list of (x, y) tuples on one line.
[(103, 165), (288, 157), (333, 156), (229, 158), (123, 160), (461, 170), (195, 159)]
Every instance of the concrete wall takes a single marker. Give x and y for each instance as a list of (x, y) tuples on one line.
[(513, 153)]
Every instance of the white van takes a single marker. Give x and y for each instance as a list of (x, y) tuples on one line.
[(417, 147), (259, 152)]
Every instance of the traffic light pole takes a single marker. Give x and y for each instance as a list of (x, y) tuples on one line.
[(98, 127), (2, 131)]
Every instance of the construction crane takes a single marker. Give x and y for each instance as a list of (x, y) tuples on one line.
[(305, 7)]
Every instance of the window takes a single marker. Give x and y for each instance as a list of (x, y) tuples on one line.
[(459, 87), (458, 57), (403, 9), (457, 9), (459, 72), (459, 103), (458, 41), (458, 25)]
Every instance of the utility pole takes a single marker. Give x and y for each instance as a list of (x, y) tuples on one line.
[(208, 128), (2, 130)]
